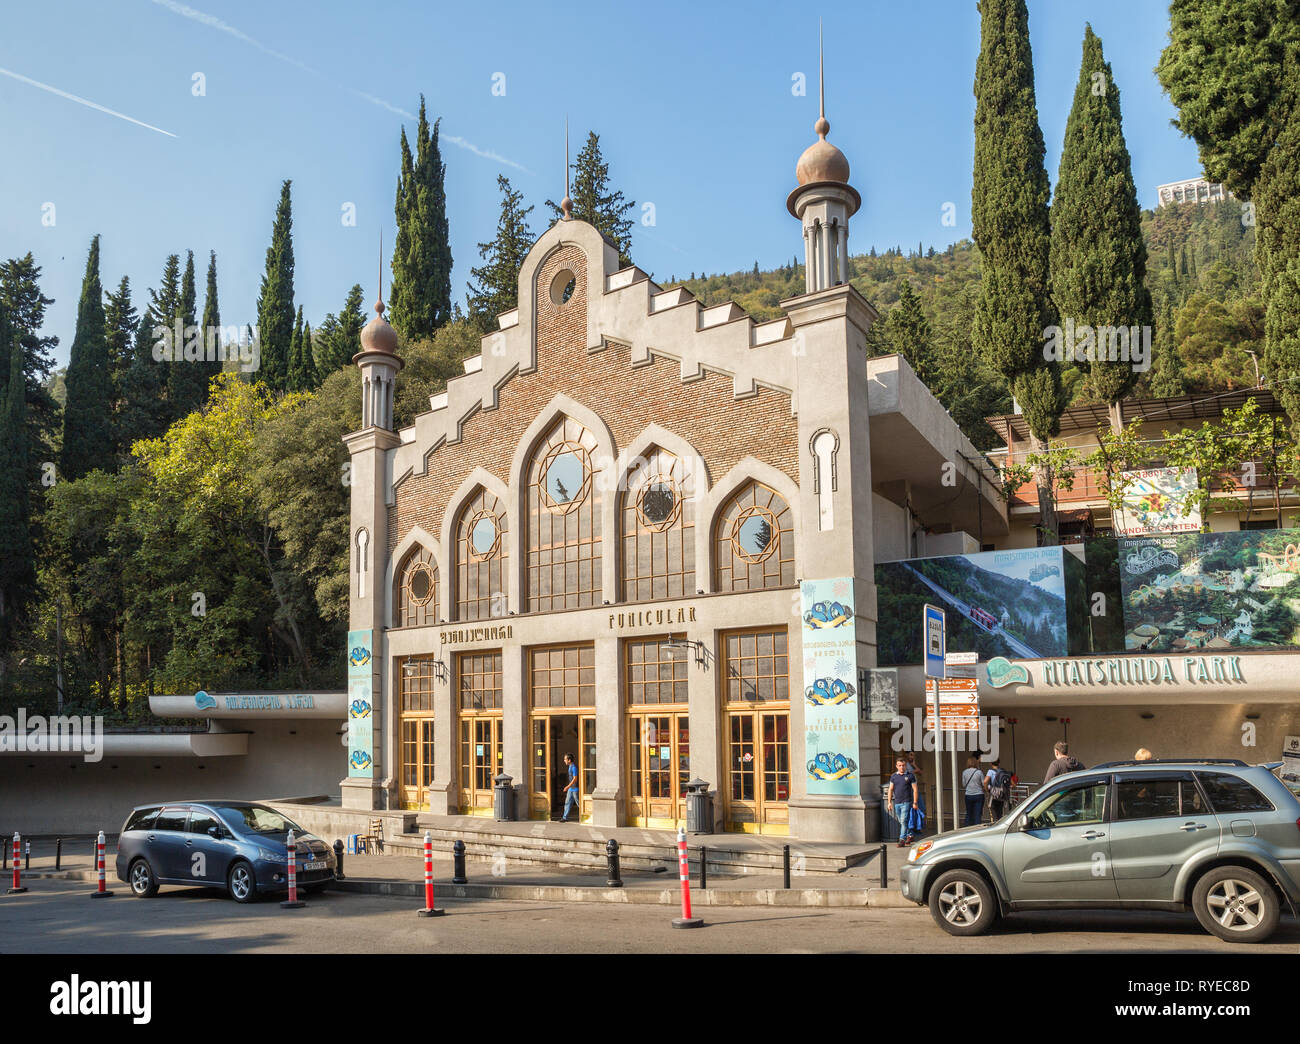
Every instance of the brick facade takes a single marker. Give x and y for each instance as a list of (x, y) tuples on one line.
[(705, 412)]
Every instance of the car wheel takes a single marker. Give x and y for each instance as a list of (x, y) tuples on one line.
[(962, 903), (143, 883), (1236, 904), (241, 884)]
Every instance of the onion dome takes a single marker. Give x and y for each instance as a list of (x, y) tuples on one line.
[(821, 161), (377, 335)]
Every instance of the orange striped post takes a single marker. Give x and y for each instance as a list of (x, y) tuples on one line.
[(101, 888), (18, 880), (684, 871), (293, 902), (429, 909)]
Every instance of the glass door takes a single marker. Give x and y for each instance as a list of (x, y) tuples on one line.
[(417, 763), (540, 768), (480, 761), (658, 769), (758, 769)]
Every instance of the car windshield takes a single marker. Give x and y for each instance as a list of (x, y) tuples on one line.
[(258, 819)]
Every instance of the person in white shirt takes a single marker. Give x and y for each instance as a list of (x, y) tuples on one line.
[(973, 784)]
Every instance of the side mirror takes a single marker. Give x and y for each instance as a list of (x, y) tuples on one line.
[(214, 832), (1027, 824)]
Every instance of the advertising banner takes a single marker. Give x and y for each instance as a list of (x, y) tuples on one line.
[(830, 674), (1211, 591), (1155, 501), (880, 694), (361, 743), (1291, 761)]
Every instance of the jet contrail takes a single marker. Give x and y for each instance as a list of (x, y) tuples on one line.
[(82, 101), (213, 22)]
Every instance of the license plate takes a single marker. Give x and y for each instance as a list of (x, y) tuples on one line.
[(308, 867)]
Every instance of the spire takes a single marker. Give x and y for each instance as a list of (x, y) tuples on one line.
[(379, 304), (566, 204), (821, 127)]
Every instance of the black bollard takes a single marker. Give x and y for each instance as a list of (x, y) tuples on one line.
[(27, 855), (704, 867), (615, 879), (4, 855), (58, 852), (338, 860), (884, 866), (458, 863), (787, 866)]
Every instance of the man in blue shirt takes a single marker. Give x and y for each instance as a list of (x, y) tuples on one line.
[(571, 790), (902, 796)]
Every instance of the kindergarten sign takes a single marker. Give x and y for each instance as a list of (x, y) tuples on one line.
[(361, 742), (830, 673)]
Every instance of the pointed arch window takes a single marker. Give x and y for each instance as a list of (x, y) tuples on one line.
[(562, 509), (754, 541), (657, 530), (416, 601), (480, 591)]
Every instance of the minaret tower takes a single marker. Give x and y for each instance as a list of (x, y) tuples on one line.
[(370, 752), (824, 201)]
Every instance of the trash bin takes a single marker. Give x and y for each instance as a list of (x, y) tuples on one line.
[(888, 824), (503, 798), (699, 808)]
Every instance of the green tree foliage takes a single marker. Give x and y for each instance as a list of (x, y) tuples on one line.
[(17, 559), (275, 313), (495, 285), (87, 416), (420, 298), (120, 322), (211, 363), (905, 330), (595, 202), (1166, 378), (143, 414), (1098, 256), (25, 304), (302, 364), (1213, 340), (338, 338), (1009, 214)]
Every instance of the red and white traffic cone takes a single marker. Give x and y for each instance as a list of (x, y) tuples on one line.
[(18, 880), (293, 902), (101, 889), (429, 909), (684, 869)]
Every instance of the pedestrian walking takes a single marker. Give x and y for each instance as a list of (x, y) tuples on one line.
[(570, 791), (1063, 761), (902, 796), (972, 781), (997, 784), (914, 767)]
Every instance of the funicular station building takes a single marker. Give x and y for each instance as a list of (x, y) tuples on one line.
[(610, 536)]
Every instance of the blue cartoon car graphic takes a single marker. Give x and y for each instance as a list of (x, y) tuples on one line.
[(827, 614), (360, 759), (360, 709), (831, 766), (359, 656), (828, 692)]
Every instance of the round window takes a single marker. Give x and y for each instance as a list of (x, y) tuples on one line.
[(564, 479), (658, 504), (755, 534), (420, 584), (562, 286), (483, 536)]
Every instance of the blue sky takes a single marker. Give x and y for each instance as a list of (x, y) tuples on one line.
[(693, 102)]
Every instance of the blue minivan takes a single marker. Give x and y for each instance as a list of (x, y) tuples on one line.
[(240, 846)]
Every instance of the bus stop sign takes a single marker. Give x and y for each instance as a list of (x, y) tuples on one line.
[(933, 641)]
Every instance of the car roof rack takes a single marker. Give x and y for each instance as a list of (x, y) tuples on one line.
[(1172, 761)]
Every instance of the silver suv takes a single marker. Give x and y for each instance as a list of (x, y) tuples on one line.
[(1218, 836)]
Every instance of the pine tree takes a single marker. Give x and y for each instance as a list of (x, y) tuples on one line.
[(187, 377), (25, 304), (906, 330), (144, 412), (1098, 256), (87, 416), (496, 284), (275, 313), (593, 201), (1009, 215), (120, 319), (339, 337), (420, 297), (302, 369)]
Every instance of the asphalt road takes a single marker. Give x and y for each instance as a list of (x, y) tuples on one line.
[(60, 917)]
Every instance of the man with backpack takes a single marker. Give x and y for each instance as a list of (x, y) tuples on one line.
[(998, 780)]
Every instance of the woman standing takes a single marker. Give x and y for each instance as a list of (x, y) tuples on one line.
[(973, 784)]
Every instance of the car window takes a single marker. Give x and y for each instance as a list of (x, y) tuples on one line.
[(200, 821), (1153, 798), (1229, 793), (258, 819), (1071, 806), (140, 819), (171, 819)]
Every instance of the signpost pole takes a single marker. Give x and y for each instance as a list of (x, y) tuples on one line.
[(934, 647)]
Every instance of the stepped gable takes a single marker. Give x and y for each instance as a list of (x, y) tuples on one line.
[(618, 345)]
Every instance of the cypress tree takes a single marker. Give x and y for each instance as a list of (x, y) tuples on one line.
[(594, 202), (275, 313), (300, 369), (87, 416), (120, 321), (144, 412), (1278, 248), (187, 381), (17, 557), (25, 304), (497, 288), (907, 332), (1009, 214), (1098, 256), (420, 297), (210, 364)]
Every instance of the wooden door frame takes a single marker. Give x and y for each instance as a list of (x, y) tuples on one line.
[(760, 805), (534, 796), (466, 789), (635, 721), (421, 797)]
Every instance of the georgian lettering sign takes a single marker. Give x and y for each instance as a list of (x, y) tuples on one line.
[(462, 635)]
